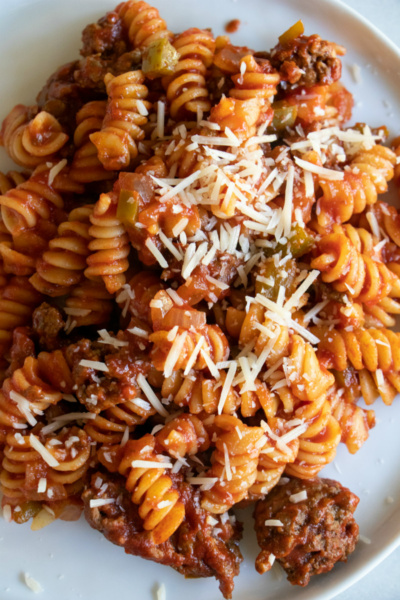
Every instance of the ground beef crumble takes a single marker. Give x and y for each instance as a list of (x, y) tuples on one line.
[(48, 325), (199, 548), (98, 390), (316, 532), (307, 61)]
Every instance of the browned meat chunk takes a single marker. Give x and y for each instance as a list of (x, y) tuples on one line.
[(104, 37), (92, 69), (199, 548), (47, 323), (315, 533), (100, 390), (61, 96), (307, 61), (105, 50), (22, 347)]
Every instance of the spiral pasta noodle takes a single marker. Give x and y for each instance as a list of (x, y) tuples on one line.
[(150, 487), (368, 176), (109, 426), (235, 461), (259, 80), (11, 180), (85, 166), (186, 89), (142, 289), (199, 393), (89, 303), (109, 247), (343, 263), (274, 456), (319, 441), (143, 23), (23, 466), (18, 454), (17, 300), (354, 421), (213, 346), (374, 351), (31, 139), (123, 121), (62, 264), (183, 436), (18, 404)]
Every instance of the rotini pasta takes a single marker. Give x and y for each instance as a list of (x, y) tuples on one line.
[(259, 80), (197, 284), (110, 245), (17, 300), (122, 125), (31, 139), (235, 461), (62, 264), (85, 166), (26, 394), (370, 170), (143, 23), (149, 488), (186, 90), (344, 261)]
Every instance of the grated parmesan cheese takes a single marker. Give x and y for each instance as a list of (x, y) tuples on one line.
[(294, 299), (380, 378), (139, 332), (299, 497), (55, 170), (150, 464), (322, 171), (94, 364), (355, 71), (37, 445), (77, 312), (169, 246), (95, 503), (106, 338), (150, 245), (273, 523), (161, 593), (364, 539), (142, 108), (24, 407), (193, 356), (160, 119), (227, 463), (205, 483), (150, 395), (125, 437), (7, 513), (174, 353), (32, 584), (180, 226), (42, 485), (226, 387)]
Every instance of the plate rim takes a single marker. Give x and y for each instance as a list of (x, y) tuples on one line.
[(346, 581)]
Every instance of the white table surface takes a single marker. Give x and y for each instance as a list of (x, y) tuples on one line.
[(383, 583)]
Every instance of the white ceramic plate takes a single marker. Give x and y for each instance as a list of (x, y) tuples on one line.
[(71, 560)]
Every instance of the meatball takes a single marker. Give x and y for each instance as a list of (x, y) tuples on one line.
[(201, 547), (307, 61), (316, 531)]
